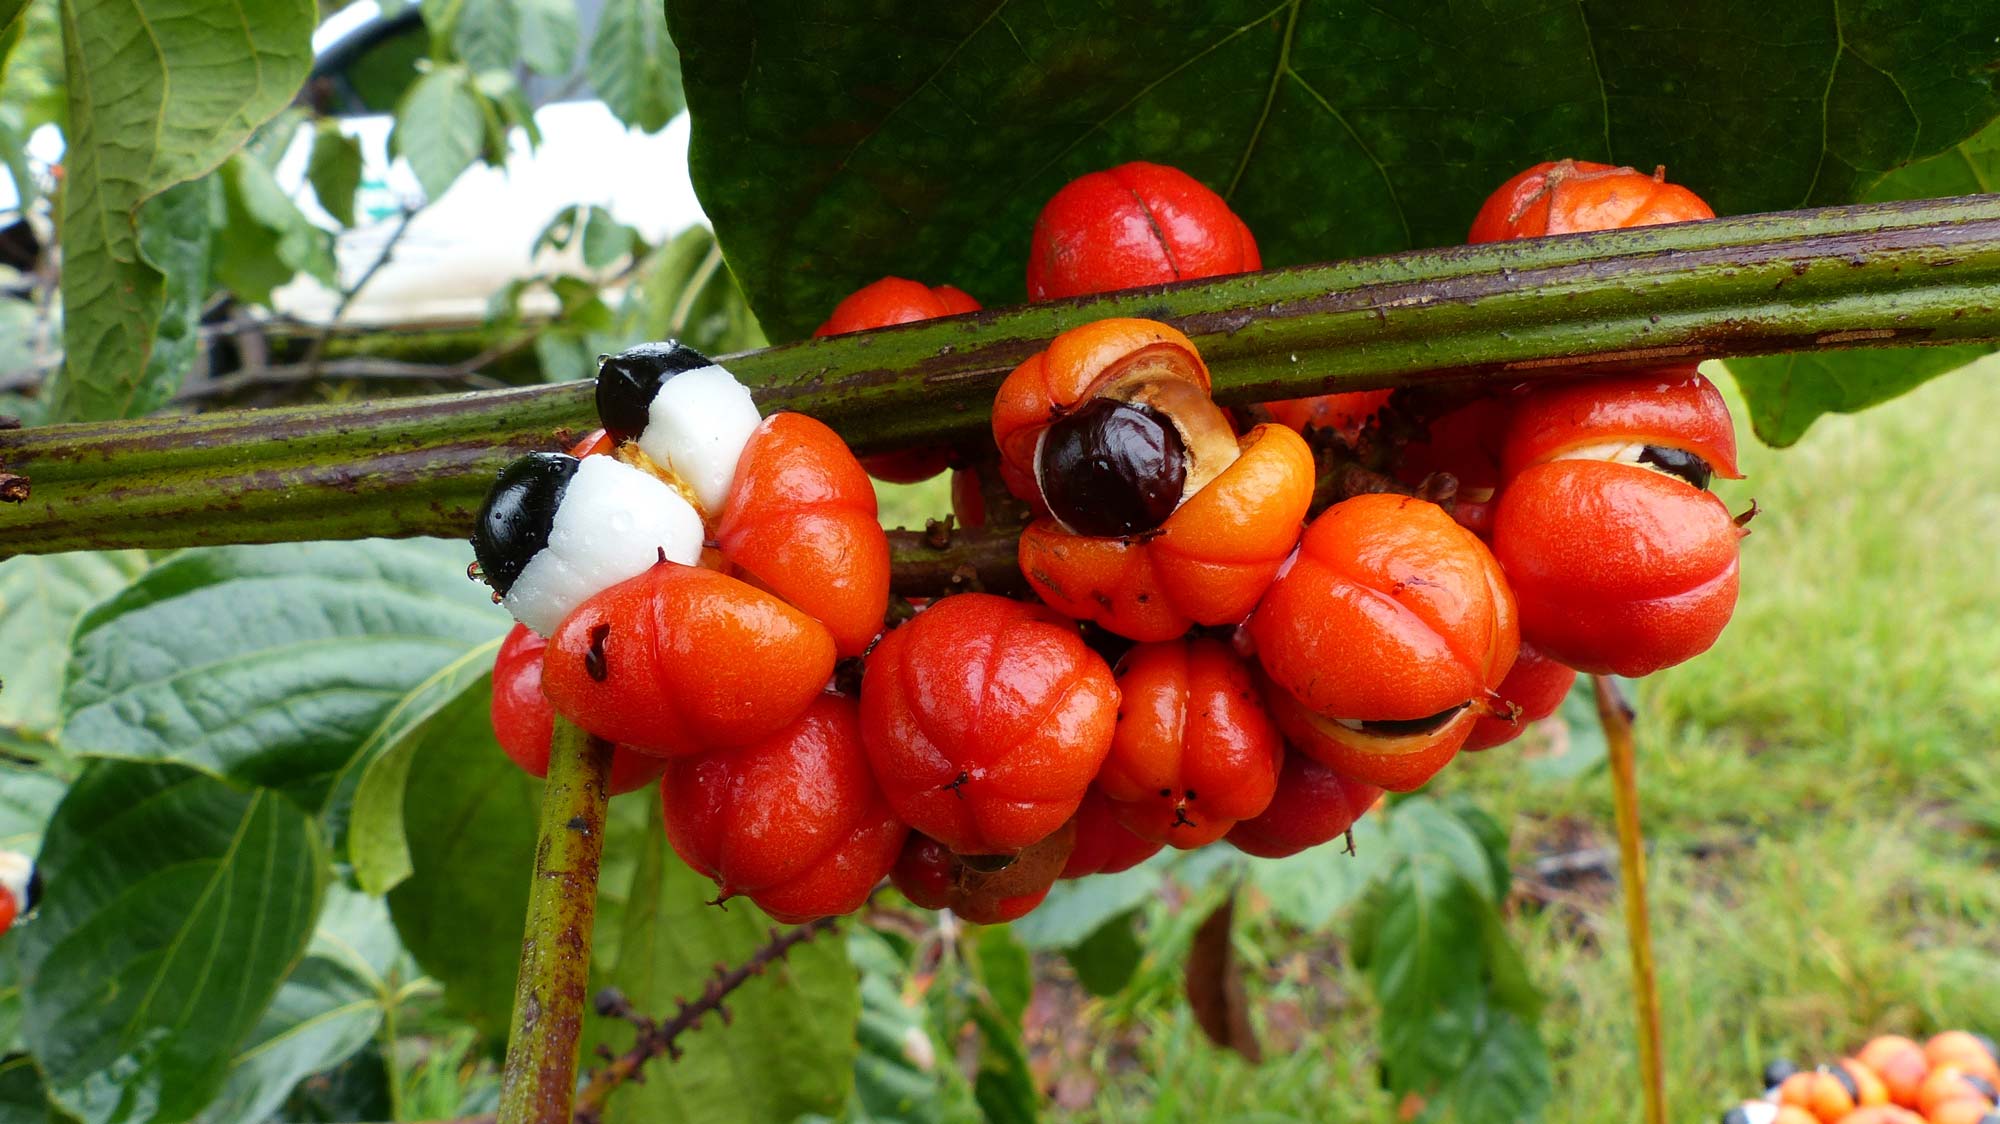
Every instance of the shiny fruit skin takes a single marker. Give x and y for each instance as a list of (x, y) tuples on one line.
[(523, 720), (1618, 568), (1390, 612), (1901, 1064), (1964, 1110), (1194, 751), (1466, 442), (985, 720), (1104, 845), (890, 301), (794, 822), (1312, 805), (801, 521), (1536, 685), (1209, 564), (931, 875), (1344, 413), (1951, 1082), (1965, 1050), (691, 660), (1565, 196), (1134, 225)]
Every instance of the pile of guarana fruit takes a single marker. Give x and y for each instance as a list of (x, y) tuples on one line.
[(1950, 1079), (1220, 646)]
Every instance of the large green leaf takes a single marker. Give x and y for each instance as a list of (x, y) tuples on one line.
[(1309, 888), (469, 815), (789, 1047), (327, 1009), (41, 596), (440, 127), (28, 797), (267, 240), (160, 91), (23, 1100), (173, 907), (633, 64), (285, 665), (834, 144)]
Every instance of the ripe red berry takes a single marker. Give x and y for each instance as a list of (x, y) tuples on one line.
[(1104, 845), (795, 822), (985, 720), (1384, 638), (523, 720), (890, 301), (1535, 686), (1622, 560), (1133, 225), (1194, 751), (1344, 413), (931, 875), (685, 660), (1566, 196), (1157, 517), (1313, 805)]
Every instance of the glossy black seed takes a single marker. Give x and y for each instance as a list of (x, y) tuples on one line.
[(514, 521), (1403, 727), (1846, 1080), (1113, 468), (34, 889), (987, 864), (627, 382), (1984, 1086), (1677, 462), (1776, 1072)]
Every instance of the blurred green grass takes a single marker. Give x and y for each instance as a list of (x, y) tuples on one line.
[(1819, 790)]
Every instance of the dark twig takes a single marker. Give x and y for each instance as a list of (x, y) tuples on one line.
[(655, 1038), (317, 349)]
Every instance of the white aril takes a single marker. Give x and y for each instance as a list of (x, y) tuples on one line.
[(697, 426), (15, 871), (613, 522)]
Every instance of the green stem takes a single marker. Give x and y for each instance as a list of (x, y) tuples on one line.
[(538, 1081), (390, 1067), (1878, 275)]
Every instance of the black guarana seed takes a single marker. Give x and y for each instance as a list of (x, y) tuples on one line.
[(1113, 468), (1984, 1086), (1846, 1080), (1990, 1118), (514, 521), (34, 889), (627, 382), (1776, 1072), (987, 864), (1677, 462), (1403, 727)]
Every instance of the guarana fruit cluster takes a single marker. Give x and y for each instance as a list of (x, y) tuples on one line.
[(1208, 656), (1950, 1079)]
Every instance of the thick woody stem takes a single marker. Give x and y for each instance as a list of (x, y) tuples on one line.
[(1878, 275), (538, 1080)]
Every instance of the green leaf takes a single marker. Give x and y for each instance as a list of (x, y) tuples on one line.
[(1425, 963), (1422, 828), (1787, 393), (11, 12), (896, 1072), (1078, 907), (549, 35), (1107, 959), (1308, 889), (1001, 965), (686, 293), (1004, 1087), (789, 1047), (23, 1099), (156, 97), (28, 797), (334, 170), (1333, 133), (440, 128), (278, 665), (460, 690), (633, 63), (1506, 1078), (41, 598), (469, 814), (326, 1010), (605, 239), (267, 240), (177, 239), (487, 35), (173, 907)]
